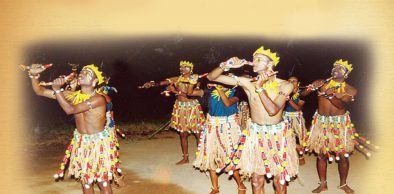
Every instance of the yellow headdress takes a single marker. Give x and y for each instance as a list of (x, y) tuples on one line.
[(267, 53), (347, 65), (186, 63), (96, 71)]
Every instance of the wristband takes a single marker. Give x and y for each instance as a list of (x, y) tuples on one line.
[(224, 68), (259, 90), (34, 76), (57, 91)]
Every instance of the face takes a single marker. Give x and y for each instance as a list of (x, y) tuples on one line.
[(338, 71), (261, 63), (294, 81), (185, 70), (86, 77)]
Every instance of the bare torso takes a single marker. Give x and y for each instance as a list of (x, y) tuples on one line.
[(182, 87), (92, 121), (259, 114), (325, 107)]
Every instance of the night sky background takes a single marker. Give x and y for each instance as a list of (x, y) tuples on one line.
[(132, 61)]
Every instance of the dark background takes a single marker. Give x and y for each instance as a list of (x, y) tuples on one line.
[(132, 61)]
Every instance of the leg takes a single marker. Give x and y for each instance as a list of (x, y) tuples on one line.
[(258, 183), (105, 190), (301, 159), (321, 164), (198, 135), (240, 184), (279, 189), (89, 190), (343, 168), (185, 159), (119, 179), (214, 182)]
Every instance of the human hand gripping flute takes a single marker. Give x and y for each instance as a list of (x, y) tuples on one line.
[(187, 116), (332, 134), (265, 148), (92, 156)]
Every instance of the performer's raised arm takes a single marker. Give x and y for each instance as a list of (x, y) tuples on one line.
[(275, 105), (296, 106), (34, 74), (312, 87), (226, 100), (340, 99), (165, 82), (216, 74), (69, 108), (294, 101)]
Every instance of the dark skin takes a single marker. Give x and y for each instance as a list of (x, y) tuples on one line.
[(296, 106), (332, 107), (88, 120), (181, 90), (212, 173)]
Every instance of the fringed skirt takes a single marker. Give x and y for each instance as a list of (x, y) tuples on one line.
[(333, 136), (92, 158), (244, 114), (296, 125), (217, 141), (267, 150), (187, 117)]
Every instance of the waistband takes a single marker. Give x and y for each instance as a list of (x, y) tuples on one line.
[(88, 137), (336, 118), (222, 119), (276, 128), (190, 103), (295, 113)]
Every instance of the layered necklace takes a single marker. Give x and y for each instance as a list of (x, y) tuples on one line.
[(271, 87), (340, 87), (78, 97)]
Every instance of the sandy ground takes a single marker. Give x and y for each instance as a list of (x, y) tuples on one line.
[(149, 167)]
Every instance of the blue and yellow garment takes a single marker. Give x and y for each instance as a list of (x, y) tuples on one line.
[(295, 98), (216, 106)]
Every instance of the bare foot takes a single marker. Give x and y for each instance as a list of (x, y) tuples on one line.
[(120, 181), (214, 191), (322, 187), (301, 160), (346, 188), (242, 189), (183, 161)]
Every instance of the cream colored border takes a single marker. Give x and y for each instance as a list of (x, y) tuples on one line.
[(25, 22)]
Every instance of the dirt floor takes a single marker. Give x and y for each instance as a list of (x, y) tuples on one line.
[(149, 167)]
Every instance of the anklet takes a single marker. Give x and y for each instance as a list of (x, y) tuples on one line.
[(341, 186), (321, 182)]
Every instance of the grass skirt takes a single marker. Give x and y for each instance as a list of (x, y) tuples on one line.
[(331, 135), (187, 116), (244, 114), (297, 126), (219, 136), (93, 157), (267, 150)]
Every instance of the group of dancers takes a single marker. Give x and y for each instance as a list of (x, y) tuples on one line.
[(254, 126)]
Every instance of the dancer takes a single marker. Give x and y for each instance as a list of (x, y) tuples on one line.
[(332, 131), (293, 114), (220, 134), (91, 156), (265, 149), (187, 116)]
